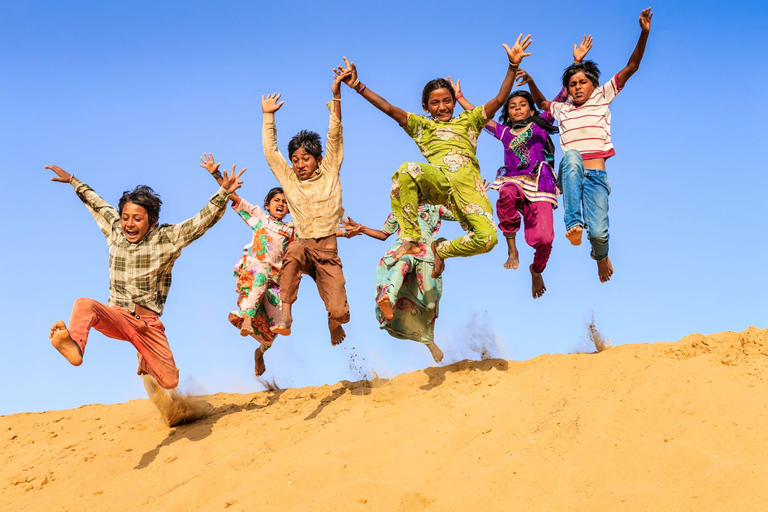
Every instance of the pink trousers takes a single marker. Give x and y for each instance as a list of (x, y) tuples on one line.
[(538, 219), (146, 333)]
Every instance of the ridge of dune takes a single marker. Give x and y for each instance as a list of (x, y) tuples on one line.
[(662, 426)]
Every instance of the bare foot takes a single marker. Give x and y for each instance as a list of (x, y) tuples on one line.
[(604, 269), (513, 261), (574, 235), (386, 308), (63, 342), (283, 327), (537, 284), (258, 358), (437, 354), (439, 265), (246, 329), (337, 332), (406, 248)]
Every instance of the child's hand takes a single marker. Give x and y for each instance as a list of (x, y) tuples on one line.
[(62, 176), (339, 75), (271, 105), (352, 227), (581, 51), (645, 20), (523, 77), (456, 86), (517, 52), (232, 181), (209, 165), (487, 185), (347, 74)]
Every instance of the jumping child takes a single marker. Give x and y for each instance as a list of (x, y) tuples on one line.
[(141, 258), (585, 139), (313, 191), (257, 270), (452, 176), (526, 183), (407, 296)]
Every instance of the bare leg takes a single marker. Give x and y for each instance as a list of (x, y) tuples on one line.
[(258, 357), (407, 247), (246, 329), (386, 308), (574, 235), (437, 354), (439, 265), (513, 260), (63, 342), (604, 269), (337, 332), (284, 326), (537, 284)]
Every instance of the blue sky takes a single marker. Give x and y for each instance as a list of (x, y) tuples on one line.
[(134, 92)]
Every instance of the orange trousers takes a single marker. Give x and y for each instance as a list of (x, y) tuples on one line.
[(146, 333)]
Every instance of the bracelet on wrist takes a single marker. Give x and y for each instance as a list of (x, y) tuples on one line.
[(216, 175), (336, 99), (459, 95), (360, 89), (355, 83)]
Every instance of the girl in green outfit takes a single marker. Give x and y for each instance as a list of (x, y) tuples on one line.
[(452, 176)]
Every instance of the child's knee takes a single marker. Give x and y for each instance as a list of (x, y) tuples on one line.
[(170, 380), (339, 313), (84, 304)]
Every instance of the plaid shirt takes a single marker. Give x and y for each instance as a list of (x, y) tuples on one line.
[(140, 273), (314, 203)]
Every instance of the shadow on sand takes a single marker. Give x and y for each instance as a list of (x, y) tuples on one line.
[(436, 374)]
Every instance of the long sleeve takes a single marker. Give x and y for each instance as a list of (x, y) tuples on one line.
[(275, 159), (334, 145), (184, 233), (106, 216)]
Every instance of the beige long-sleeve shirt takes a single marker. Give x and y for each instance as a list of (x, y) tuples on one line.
[(315, 203)]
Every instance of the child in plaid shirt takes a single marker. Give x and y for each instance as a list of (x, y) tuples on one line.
[(141, 257)]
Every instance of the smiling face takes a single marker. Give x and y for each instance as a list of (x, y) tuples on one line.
[(304, 164), (518, 109), (135, 222), (440, 104), (580, 87), (277, 206)]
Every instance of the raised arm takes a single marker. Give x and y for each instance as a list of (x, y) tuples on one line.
[(634, 60), (352, 80), (515, 55), (275, 159), (186, 232), (106, 216), (213, 168), (465, 103)]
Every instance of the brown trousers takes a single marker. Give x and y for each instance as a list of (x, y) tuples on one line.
[(319, 259)]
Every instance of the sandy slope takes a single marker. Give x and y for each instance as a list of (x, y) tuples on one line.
[(665, 426)]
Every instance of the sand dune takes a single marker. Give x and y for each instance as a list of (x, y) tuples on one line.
[(663, 426)]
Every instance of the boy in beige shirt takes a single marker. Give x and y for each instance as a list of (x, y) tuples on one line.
[(313, 191)]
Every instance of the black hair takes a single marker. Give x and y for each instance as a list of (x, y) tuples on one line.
[(272, 193), (588, 67), (308, 140), (535, 116), (145, 197), (433, 85)]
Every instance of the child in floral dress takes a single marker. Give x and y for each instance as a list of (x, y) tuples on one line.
[(257, 270), (407, 295)]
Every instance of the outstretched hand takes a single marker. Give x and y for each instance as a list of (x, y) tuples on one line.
[(270, 105), (210, 165), (62, 176), (231, 181), (347, 74), (352, 227), (645, 20), (487, 185), (522, 77), (340, 74), (517, 52), (581, 51), (456, 85)]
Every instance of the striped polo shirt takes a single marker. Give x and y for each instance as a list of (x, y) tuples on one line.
[(587, 127)]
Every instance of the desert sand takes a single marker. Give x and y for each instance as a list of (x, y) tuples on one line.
[(660, 426)]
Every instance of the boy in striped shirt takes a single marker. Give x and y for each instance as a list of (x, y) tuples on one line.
[(585, 139)]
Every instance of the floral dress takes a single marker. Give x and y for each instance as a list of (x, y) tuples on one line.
[(408, 282), (257, 271)]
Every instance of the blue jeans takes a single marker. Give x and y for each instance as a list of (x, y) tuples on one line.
[(590, 188)]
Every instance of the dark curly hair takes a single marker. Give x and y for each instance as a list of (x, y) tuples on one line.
[(272, 193), (433, 85), (504, 117), (588, 67), (308, 140), (145, 197)]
